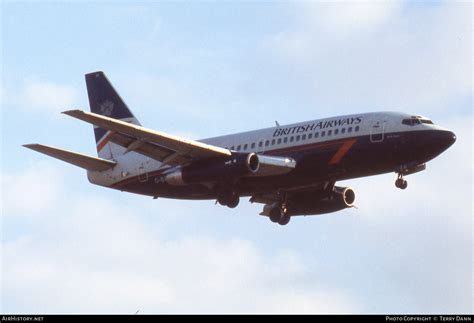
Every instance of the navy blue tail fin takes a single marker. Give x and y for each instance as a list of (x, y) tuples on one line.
[(104, 100)]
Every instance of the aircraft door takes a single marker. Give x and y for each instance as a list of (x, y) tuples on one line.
[(261, 145), (143, 172), (377, 131)]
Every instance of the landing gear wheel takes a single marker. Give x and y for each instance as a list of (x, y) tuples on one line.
[(404, 185), (284, 220), (233, 200), (401, 183), (398, 183), (228, 198), (276, 214)]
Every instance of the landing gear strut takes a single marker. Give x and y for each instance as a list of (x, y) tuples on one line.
[(400, 182)]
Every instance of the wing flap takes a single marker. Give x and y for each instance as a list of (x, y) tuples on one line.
[(80, 160), (189, 149)]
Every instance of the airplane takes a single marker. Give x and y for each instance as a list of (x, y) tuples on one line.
[(291, 169)]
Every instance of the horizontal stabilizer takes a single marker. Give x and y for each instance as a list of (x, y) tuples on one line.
[(163, 147), (84, 161)]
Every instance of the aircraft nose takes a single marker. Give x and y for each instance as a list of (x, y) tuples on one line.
[(450, 137), (447, 138)]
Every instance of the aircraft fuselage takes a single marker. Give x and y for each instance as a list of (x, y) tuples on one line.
[(325, 150)]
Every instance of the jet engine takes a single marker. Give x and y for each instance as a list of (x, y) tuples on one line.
[(338, 199), (214, 170)]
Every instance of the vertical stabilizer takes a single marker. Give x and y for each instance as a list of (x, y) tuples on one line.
[(104, 100)]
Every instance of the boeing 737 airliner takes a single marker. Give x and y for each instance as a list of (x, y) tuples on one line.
[(291, 169)]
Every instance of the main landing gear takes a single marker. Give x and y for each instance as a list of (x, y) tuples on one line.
[(400, 182), (228, 198), (278, 215)]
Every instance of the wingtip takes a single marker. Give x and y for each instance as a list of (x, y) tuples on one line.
[(35, 147), (72, 112), (30, 145)]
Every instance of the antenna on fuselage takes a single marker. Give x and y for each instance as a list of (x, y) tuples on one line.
[(276, 123)]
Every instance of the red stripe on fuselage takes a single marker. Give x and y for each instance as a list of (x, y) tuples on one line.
[(342, 151), (104, 141)]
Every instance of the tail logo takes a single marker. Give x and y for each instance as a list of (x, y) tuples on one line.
[(106, 108)]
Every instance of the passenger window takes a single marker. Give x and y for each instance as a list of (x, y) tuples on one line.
[(245, 147), (279, 141), (323, 133), (343, 130), (238, 148), (336, 131), (291, 139), (329, 132), (349, 129), (267, 143), (316, 134), (273, 142), (285, 140), (310, 135), (260, 144), (252, 146), (357, 128), (232, 148), (303, 137), (298, 138)]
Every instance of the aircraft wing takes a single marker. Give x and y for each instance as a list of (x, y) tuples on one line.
[(168, 149), (84, 161)]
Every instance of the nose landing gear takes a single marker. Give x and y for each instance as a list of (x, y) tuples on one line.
[(400, 182)]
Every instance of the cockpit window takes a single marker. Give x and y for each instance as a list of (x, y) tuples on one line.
[(411, 122), (427, 121), (416, 120)]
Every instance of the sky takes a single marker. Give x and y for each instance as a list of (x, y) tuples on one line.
[(203, 69)]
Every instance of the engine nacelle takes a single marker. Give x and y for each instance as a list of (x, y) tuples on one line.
[(215, 170), (305, 204)]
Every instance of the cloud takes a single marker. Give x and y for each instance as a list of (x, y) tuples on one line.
[(348, 18), (320, 24), (48, 96), (32, 191), (378, 55), (165, 97), (99, 257)]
